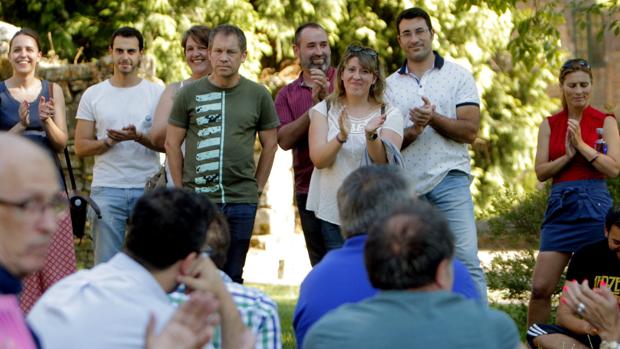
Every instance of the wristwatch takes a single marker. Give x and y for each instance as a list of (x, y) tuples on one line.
[(371, 136), (609, 345)]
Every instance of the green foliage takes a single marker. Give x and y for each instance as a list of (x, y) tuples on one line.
[(511, 275), (513, 50), (517, 217)]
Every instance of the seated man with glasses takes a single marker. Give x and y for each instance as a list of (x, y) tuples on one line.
[(30, 204)]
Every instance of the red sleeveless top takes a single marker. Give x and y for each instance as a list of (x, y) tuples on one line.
[(579, 167)]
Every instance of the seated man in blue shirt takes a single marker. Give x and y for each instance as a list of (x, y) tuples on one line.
[(366, 196), (408, 256)]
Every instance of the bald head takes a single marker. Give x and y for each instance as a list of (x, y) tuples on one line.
[(29, 183), (20, 158)]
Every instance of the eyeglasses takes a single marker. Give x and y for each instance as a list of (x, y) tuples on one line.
[(417, 33), (35, 205), (575, 63)]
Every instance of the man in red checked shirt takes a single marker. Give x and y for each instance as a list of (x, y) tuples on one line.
[(292, 105)]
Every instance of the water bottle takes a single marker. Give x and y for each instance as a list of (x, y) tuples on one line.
[(600, 144)]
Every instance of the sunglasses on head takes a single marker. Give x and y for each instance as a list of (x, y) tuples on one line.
[(575, 63), (364, 50)]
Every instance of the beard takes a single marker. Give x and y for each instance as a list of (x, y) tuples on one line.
[(310, 62)]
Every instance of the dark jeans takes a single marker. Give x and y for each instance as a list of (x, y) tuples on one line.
[(240, 219), (320, 236)]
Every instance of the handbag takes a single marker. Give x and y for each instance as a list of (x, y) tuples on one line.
[(78, 202)]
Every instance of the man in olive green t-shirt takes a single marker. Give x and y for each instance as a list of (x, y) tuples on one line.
[(218, 117)]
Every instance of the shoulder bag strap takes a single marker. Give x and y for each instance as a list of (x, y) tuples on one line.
[(50, 90)]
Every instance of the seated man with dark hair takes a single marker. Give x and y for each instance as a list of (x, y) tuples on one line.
[(599, 263), (408, 256), (258, 312), (110, 305), (366, 195)]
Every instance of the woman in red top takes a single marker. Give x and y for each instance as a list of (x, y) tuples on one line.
[(567, 153)]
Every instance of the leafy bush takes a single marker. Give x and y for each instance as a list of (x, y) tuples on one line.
[(517, 216), (511, 275)]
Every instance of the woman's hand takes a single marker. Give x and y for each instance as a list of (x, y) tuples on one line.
[(46, 109), (344, 125), (24, 114), (376, 122), (574, 132), (570, 148)]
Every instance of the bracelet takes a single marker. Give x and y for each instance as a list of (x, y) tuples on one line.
[(341, 141), (105, 142), (594, 158)]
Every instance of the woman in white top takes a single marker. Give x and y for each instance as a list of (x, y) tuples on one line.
[(195, 43), (342, 127)]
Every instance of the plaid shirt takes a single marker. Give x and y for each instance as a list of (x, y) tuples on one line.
[(258, 312)]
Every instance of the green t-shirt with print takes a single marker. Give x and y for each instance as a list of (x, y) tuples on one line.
[(221, 130)]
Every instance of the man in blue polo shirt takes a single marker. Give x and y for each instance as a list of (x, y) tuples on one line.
[(442, 115), (366, 196)]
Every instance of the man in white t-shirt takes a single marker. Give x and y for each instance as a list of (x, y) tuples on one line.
[(442, 113), (112, 120)]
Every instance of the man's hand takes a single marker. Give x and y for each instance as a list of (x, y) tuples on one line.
[(127, 133), (203, 276), (191, 326), (421, 116), (320, 89)]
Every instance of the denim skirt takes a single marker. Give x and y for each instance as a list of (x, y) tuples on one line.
[(575, 215)]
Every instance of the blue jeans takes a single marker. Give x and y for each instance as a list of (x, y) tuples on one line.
[(240, 219), (332, 235), (116, 206), (453, 198), (317, 232)]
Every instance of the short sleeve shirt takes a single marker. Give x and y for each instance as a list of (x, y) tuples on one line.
[(597, 263), (127, 164), (448, 86), (292, 102), (221, 130), (325, 182)]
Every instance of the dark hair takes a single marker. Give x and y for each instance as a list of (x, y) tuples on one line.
[(229, 29), (368, 193), (128, 32), (368, 59), (612, 218), (166, 225), (218, 240), (28, 32), (404, 250), (199, 33), (411, 13), (304, 26)]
